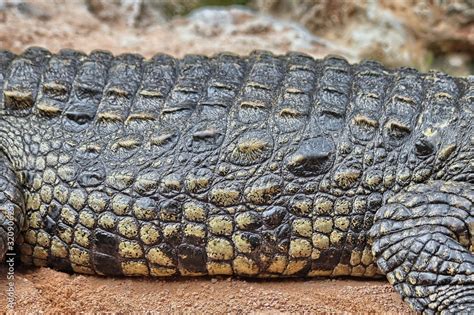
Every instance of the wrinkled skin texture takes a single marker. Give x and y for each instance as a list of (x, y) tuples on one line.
[(259, 166)]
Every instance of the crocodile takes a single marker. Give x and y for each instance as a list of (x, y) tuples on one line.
[(254, 166)]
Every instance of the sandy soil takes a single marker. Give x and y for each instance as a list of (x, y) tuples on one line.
[(71, 25), (44, 290)]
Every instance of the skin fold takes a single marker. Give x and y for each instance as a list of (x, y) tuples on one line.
[(259, 166)]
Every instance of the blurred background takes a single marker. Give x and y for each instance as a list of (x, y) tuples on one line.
[(424, 34)]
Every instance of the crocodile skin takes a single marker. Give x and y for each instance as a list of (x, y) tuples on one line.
[(260, 166)]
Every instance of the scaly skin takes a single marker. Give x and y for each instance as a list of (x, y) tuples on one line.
[(256, 166)]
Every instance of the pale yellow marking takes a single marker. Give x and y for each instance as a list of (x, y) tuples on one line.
[(117, 91), (160, 140), (157, 256), (300, 248), (224, 196), (171, 230), (441, 95), (135, 268), (358, 271), (367, 257), (355, 258), (342, 270), (30, 237), (43, 239), (128, 227), (121, 204), (130, 249), (55, 87), (48, 109), (252, 104), (319, 273), (107, 221), (162, 271), (365, 121), (61, 193), (258, 85), (22, 99), (347, 177), (324, 225), (195, 230), (46, 194), (151, 93), (278, 264), (128, 144), (194, 184), (293, 90), (68, 216), (194, 212), (290, 113), (110, 117), (58, 249), (219, 268), (77, 199), (446, 151), (294, 266), (66, 235), (336, 238), (219, 249), (221, 225), (143, 116), (241, 244), (97, 201), (82, 237), (342, 223), (323, 205), (149, 234), (244, 266), (82, 269), (79, 257), (302, 227)]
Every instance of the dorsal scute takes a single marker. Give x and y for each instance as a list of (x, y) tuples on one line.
[(259, 89), (404, 101), (124, 75), (159, 76), (294, 104), (5, 59), (22, 80), (441, 100), (193, 75), (333, 93), (371, 81), (56, 83), (124, 78), (466, 103), (87, 90), (224, 85)]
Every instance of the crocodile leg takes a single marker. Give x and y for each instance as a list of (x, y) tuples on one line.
[(423, 240), (12, 208)]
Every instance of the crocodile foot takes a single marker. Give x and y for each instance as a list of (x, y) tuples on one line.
[(423, 241)]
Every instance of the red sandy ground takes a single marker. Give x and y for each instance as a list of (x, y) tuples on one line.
[(46, 290)]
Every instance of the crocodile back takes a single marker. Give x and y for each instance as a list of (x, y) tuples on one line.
[(259, 165)]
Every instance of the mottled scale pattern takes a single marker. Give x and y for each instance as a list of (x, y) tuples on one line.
[(261, 165)]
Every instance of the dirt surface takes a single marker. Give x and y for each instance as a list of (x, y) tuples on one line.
[(71, 25), (59, 24), (45, 290)]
